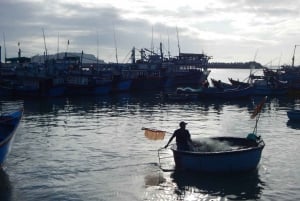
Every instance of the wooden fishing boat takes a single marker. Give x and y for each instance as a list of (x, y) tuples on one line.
[(222, 85), (232, 155), (8, 124), (213, 92), (293, 115), (238, 83)]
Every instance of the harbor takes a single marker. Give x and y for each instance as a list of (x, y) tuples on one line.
[(149, 100), (79, 148)]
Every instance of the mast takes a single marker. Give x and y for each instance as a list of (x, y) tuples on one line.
[(133, 55), (116, 49), (161, 51), (152, 45), (178, 44), (58, 45), (169, 55), (293, 58), (45, 43), (97, 49), (4, 47)]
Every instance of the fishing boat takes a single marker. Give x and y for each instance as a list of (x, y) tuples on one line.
[(87, 82), (222, 85), (9, 122), (174, 96), (186, 70), (218, 154), (238, 83), (234, 93), (293, 115), (263, 85), (239, 155)]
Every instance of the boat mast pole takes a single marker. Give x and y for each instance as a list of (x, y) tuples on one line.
[(57, 46), (97, 50), (169, 46), (116, 49), (152, 45), (44, 42), (4, 47), (178, 40), (293, 58)]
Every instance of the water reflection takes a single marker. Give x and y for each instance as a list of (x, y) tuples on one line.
[(233, 187), (44, 106), (5, 186), (154, 179)]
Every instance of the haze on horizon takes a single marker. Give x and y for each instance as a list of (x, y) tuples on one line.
[(229, 31)]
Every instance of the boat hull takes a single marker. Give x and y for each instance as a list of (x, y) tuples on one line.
[(8, 126), (238, 160), (294, 115), (236, 93)]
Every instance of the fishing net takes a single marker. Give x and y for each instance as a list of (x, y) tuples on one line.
[(153, 134)]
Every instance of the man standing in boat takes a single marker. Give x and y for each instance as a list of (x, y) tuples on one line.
[(183, 138)]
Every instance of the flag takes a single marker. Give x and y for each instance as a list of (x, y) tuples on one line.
[(258, 107)]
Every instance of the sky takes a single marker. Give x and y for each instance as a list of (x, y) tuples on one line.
[(265, 31)]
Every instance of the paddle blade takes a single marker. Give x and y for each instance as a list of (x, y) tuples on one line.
[(258, 107), (153, 134)]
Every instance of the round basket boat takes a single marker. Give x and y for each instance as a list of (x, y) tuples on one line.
[(220, 155)]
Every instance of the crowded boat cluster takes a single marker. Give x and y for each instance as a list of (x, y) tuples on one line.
[(68, 75), (182, 77), (274, 82)]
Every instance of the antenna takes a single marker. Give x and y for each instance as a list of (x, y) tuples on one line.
[(178, 40)]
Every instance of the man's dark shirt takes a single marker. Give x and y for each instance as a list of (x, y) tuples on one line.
[(182, 138)]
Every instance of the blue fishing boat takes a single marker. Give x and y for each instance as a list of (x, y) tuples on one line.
[(9, 122), (221, 154), (293, 115), (240, 155), (87, 83), (32, 86)]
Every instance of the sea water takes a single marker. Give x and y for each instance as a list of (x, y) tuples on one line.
[(93, 148)]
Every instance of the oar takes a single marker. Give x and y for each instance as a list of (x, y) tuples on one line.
[(154, 134)]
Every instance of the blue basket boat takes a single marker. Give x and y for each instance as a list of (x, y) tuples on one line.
[(221, 155)]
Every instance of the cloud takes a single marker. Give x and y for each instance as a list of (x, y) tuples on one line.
[(223, 28)]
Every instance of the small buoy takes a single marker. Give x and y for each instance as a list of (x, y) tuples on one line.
[(252, 136)]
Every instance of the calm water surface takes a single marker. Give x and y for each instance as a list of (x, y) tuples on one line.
[(93, 148)]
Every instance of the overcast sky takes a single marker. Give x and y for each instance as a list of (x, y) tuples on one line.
[(230, 31)]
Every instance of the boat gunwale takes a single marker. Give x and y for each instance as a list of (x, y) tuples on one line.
[(19, 117), (260, 145)]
